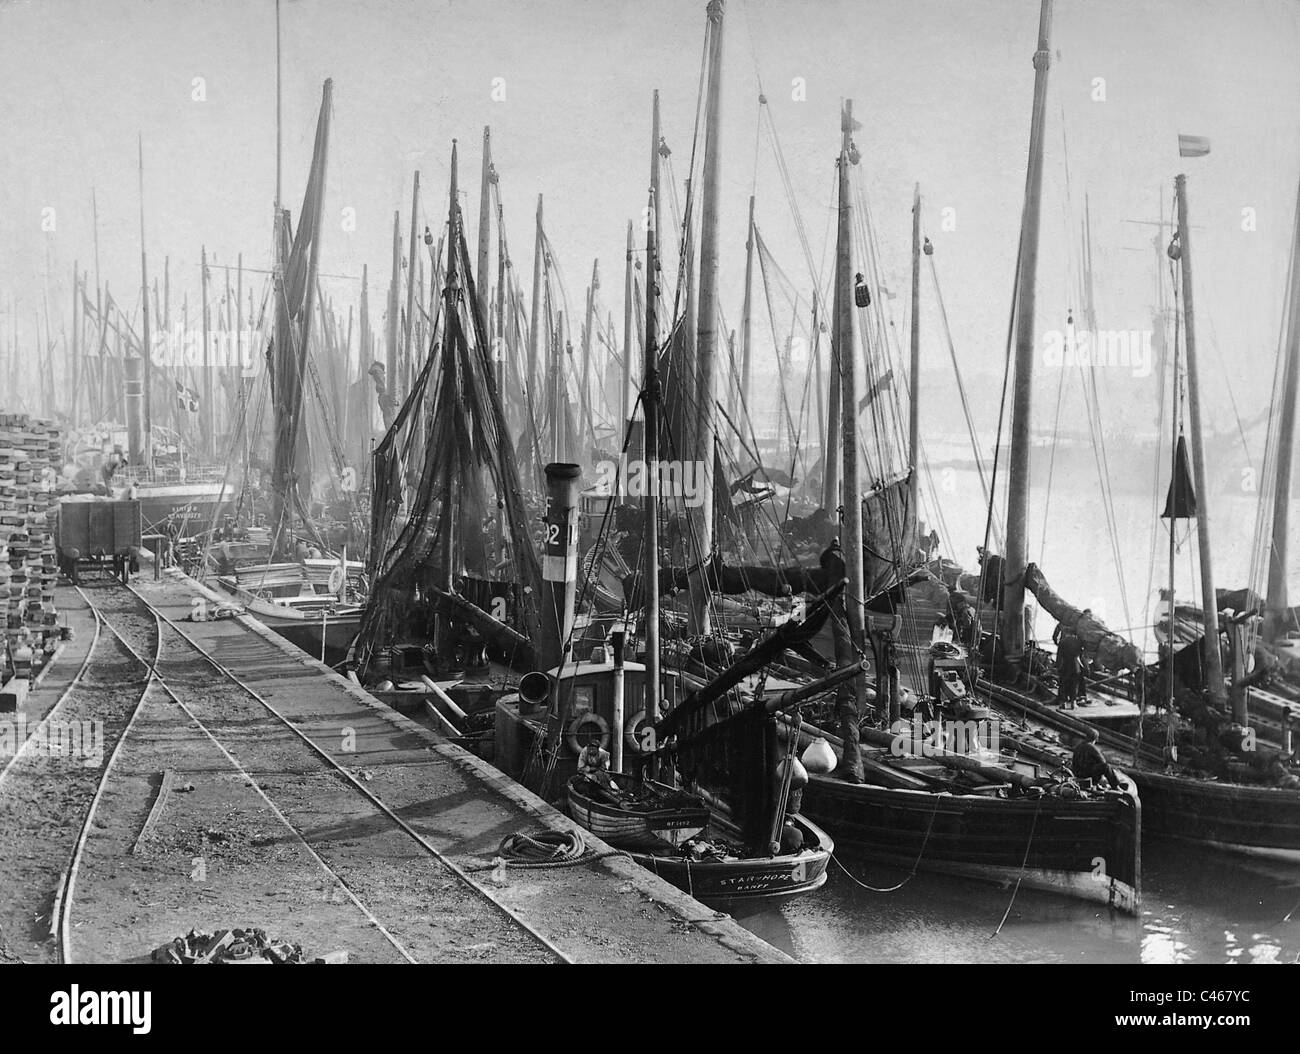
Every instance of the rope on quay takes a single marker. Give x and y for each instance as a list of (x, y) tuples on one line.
[(544, 848)]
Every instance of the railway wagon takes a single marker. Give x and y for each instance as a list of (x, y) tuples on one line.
[(95, 533)]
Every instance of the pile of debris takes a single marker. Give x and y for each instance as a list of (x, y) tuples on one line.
[(235, 946)]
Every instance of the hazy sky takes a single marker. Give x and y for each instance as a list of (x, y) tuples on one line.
[(943, 89)]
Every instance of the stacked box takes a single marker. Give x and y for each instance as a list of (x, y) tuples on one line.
[(31, 451)]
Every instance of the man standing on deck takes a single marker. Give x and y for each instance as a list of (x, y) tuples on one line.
[(1069, 668)]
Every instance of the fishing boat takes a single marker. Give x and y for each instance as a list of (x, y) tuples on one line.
[(997, 819), (1211, 767), (645, 815)]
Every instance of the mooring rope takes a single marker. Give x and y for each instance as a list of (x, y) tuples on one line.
[(1032, 825), (939, 796)]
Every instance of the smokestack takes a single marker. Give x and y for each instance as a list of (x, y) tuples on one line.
[(559, 561), (134, 370)]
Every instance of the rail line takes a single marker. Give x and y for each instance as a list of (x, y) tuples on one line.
[(65, 900), (36, 812)]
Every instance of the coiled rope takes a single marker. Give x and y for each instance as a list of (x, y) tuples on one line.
[(545, 848)]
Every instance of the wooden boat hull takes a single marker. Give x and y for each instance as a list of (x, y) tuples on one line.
[(1255, 821), (326, 639), (1088, 849), (754, 880), (647, 829)]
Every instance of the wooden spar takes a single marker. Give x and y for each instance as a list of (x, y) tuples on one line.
[(1209, 602), (448, 512), (227, 324), (205, 405), (559, 419), (624, 400), (746, 318), (914, 377), (1276, 607), (650, 408), (394, 364), (1017, 555), (485, 230), (1175, 479), (706, 351), (854, 599), (535, 322), (815, 366), (76, 342), (831, 437), (102, 352), (408, 357), (242, 370), (585, 398), (144, 456), (502, 345)]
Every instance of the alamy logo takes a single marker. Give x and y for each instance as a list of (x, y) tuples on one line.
[(929, 739), (1128, 349), (75, 1007), (677, 479), (80, 740)]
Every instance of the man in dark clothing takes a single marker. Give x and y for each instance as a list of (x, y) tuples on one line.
[(1069, 669), (1089, 763), (962, 618)]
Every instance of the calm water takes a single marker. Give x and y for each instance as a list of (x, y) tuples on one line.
[(1199, 906)]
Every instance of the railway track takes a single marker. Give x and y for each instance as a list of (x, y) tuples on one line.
[(161, 699), (181, 689), (50, 783)]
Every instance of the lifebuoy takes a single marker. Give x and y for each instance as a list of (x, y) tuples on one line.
[(337, 577), (576, 734), (632, 732)]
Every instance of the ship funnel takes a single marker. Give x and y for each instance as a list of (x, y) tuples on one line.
[(534, 689)]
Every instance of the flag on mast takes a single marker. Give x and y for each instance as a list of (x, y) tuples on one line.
[(1193, 146)]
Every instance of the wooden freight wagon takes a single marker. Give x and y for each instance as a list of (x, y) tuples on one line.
[(96, 534)]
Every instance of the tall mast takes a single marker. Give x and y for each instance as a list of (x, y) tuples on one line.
[(76, 342), (629, 281), (485, 229), (1277, 612), (536, 322), (449, 519), (394, 286), (1213, 658), (1017, 555), (650, 407), (585, 399), (854, 600), (746, 327), (706, 350), (831, 437), (146, 347), (914, 387), (205, 405), (407, 356)]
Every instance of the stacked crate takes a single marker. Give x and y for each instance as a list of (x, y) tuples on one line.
[(31, 452)]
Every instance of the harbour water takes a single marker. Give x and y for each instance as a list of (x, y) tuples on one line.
[(1198, 907)]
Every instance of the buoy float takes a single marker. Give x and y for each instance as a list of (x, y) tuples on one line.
[(819, 757)]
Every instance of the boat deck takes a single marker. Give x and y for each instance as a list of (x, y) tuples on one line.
[(242, 783)]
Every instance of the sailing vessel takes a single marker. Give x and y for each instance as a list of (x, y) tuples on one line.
[(956, 803)]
